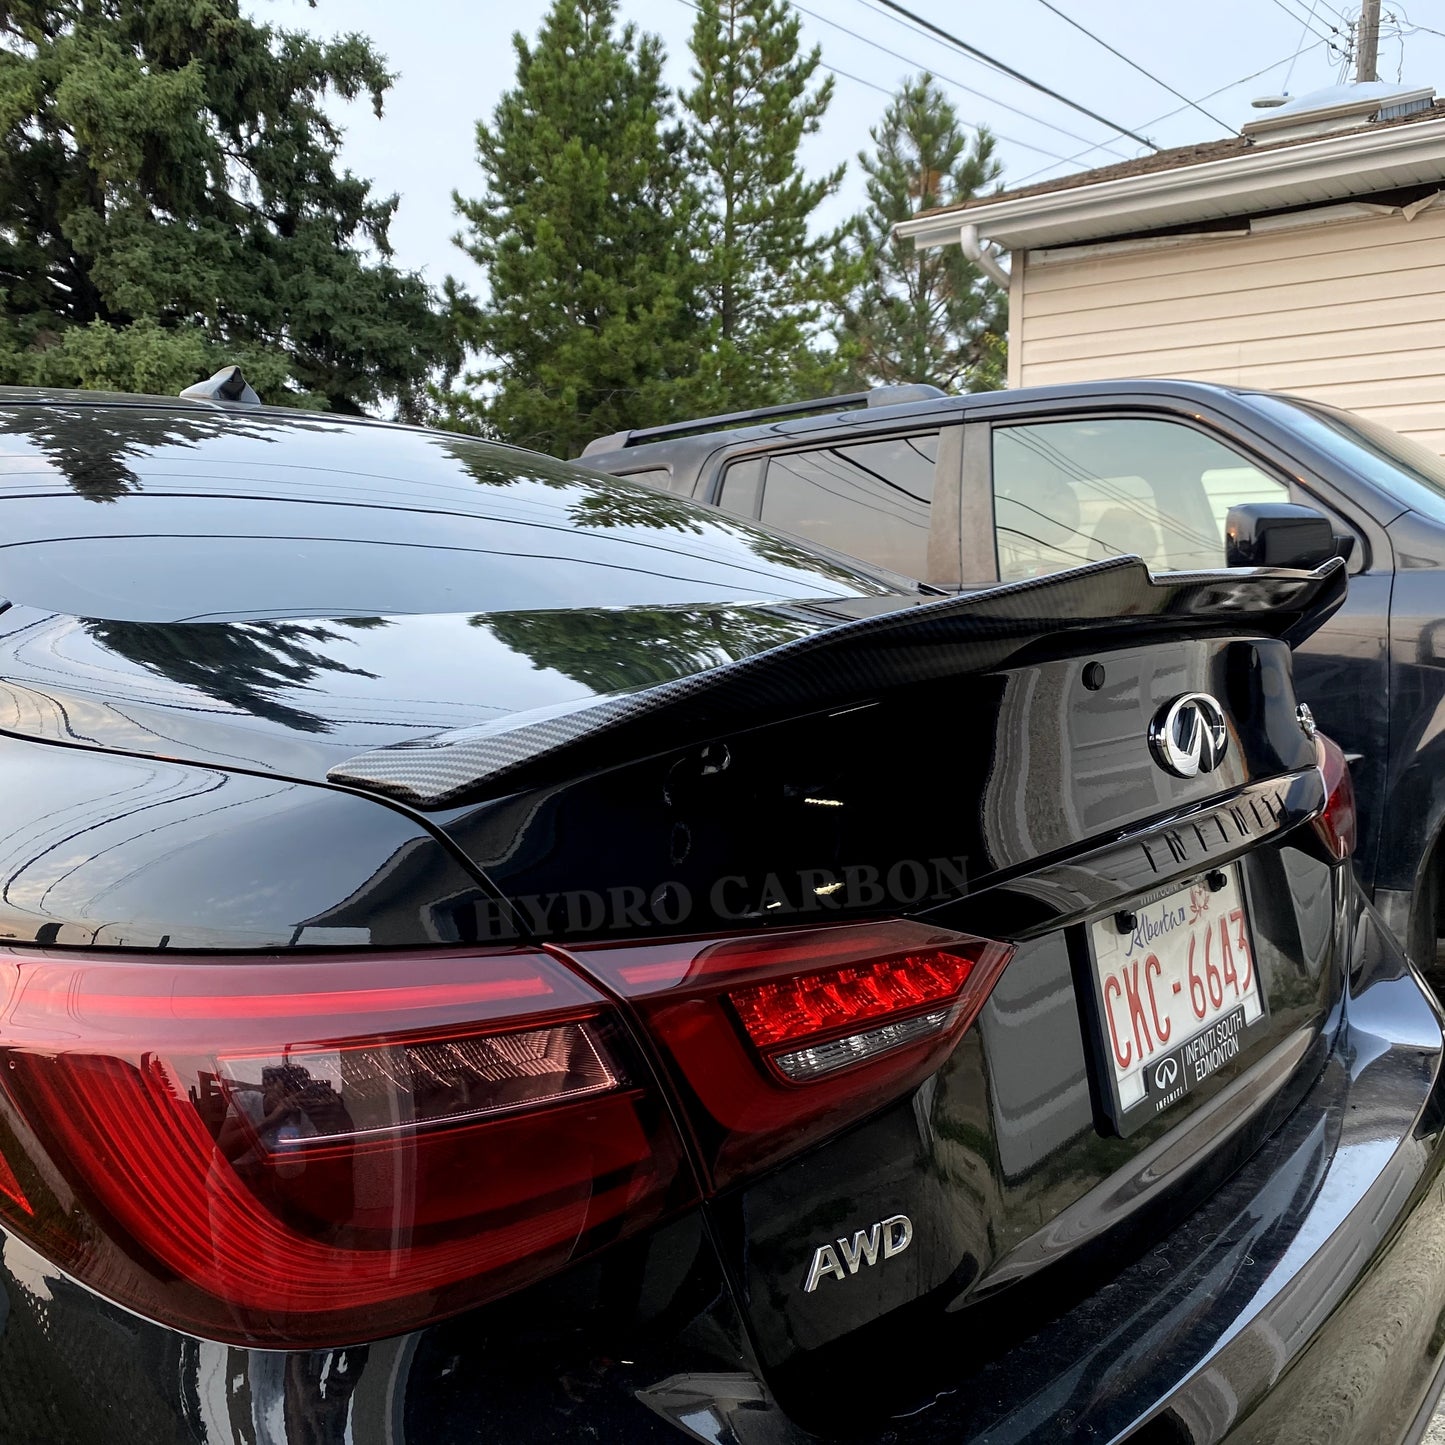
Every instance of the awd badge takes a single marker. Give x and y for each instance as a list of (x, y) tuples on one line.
[(886, 1238)]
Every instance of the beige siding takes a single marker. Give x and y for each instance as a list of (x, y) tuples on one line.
[(1016, 308), (1352, 313)]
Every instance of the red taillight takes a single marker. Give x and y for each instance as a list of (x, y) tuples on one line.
[(11, 1190), (1337, 824), (284, 1152), (308, 1152), (778, 1039)]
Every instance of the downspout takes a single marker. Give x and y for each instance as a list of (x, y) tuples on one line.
[(977, 252)]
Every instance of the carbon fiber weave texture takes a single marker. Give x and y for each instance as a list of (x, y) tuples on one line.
[(844, 664)]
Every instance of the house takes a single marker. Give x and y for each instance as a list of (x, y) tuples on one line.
[(1305, 254)]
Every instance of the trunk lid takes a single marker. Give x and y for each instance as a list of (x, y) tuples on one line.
[(983, 765), (297, 696)]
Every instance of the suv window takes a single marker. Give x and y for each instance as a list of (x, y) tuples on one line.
[(1407, 470), (1070, 492), (659, 477), (742, 487), (870, 499)]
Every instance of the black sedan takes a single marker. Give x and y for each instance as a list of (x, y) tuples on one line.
[(490, 952)]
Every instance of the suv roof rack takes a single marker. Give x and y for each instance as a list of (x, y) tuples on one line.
[(878, 396), (226, 385)]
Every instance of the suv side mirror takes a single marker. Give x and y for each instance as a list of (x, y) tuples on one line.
[(1278, 534)]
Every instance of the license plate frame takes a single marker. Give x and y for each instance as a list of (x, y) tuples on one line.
[(1196, 1049)]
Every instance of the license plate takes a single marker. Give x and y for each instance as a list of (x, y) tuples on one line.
[(1176, 987)]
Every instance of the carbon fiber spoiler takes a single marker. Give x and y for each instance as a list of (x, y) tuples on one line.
[(843, 666)]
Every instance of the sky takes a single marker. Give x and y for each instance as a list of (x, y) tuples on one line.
[(454, 60)]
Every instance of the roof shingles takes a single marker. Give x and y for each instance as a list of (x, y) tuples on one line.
[(1175, 158)]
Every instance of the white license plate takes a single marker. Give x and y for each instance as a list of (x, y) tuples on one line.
[(1176, 991)]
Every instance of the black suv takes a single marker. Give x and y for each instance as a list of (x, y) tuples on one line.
[(995, 487)]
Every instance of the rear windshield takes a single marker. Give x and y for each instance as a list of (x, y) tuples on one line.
[(130, 515), (1404, 469)]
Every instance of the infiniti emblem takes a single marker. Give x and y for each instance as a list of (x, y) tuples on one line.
[(1166, 1073), (1188, 735)]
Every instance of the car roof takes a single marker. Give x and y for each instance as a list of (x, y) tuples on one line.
[(27, 396), (674, 450), (693, 448)]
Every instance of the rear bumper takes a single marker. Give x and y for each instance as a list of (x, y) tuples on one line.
[(1304, 1302), (1346, 1342)]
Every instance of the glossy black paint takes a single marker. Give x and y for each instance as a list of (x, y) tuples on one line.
[(1015, 1120), (1277, 534), (957, 1158), (1361, 673), (745, 844), (201, 514), (110, 851), (280, 591), (859, 661), (297, 697), (76, 1369), (1202, 1278)]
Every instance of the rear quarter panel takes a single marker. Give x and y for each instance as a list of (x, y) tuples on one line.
[(111, 851)]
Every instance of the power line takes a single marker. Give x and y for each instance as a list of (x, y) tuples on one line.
[(884, 90), (1243, 80), (1398, 36), (893, 19), (948, 80), (1018, 75), (1164, 84), (858, 80), (1346, 54), (1179, 110), (1325, 5), (1305, 31), (1344, 20), (997, 134), (1414, 28), (847, 75), (1294, 15)]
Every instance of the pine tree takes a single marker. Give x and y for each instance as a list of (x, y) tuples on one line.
[(170, 201), (927, 316), (582, 235), (768, 283)]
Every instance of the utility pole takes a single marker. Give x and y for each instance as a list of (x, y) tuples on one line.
[(1367, 41)]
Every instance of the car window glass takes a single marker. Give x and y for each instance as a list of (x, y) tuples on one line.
[(742, 486), (132, 516), (1405, 469), (1071, 492), (869, 499)]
